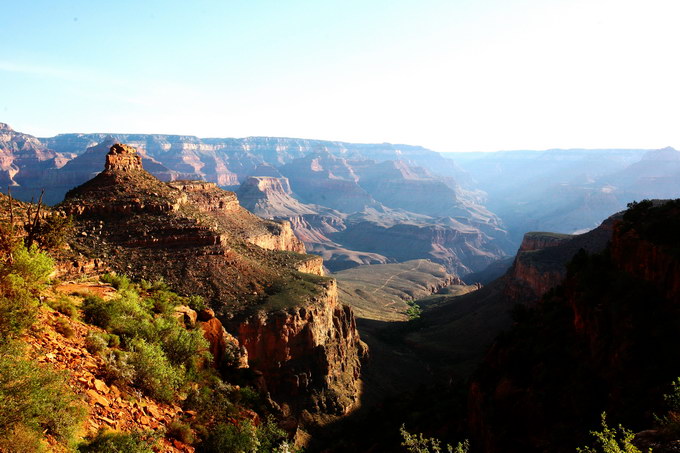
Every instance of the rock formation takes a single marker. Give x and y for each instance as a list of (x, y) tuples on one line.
[(599, 342), (198, 238)]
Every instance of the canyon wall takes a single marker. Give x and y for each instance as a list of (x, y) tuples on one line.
[(600, 342), (310, 355), (252, 271)]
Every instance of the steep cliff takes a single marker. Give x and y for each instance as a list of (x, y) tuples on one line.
[(24, 163), (602, 341), (540, 263), (252, 271), (310, 355)]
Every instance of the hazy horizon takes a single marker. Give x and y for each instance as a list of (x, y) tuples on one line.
[(449, 76)]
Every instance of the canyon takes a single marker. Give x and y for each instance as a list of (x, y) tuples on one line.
[(348, 203), (267, 293)]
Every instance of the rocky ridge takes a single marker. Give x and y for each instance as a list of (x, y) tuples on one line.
[(201, 241), (598, 342)]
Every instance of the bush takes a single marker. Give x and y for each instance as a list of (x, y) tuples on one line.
[(670, 423), (34, 398), (181, 346), (63, 327), (163, 301), (64, 305), (417, 443), (228, 438), (414, 311), (118, 369), (196, 303), (96, 311), (269, 435), (611, 440), (53, 230), (23, 273), (153, 371), (112, 442), (95, 343), (213, 401), (180, 431), (120, 282)]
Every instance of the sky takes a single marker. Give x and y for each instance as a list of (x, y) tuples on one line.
[(451, 75)]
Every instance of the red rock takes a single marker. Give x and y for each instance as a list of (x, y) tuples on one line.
[(97, 398), (101, 386)]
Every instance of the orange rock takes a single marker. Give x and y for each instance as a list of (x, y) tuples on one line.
[(101, 386), (97, 398)]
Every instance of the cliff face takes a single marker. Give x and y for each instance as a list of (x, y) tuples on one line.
[(252, 271), (460, 248), (540, 263), (310, 356), (599, 342), (24, 162)]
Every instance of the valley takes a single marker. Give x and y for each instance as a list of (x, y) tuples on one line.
[(412, 301)]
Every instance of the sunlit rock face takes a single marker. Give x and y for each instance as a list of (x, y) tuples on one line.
[(282, 317)]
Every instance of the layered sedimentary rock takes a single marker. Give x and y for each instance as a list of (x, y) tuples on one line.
[(252, 271), (24, 163), (598, 343), (296, 349), (540, 263)]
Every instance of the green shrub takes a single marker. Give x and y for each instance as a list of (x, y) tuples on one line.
[(112, 442), (95, 343), (414, 311), (34, 398), (159, 285), (611, 440), (248, 396), (181, 346), (97, 311), (180, 431), (669, 424), (118, 368), (123, 315), (417, 443), (229, 438), (64, 305), (23, 273), (120, 282), (213, 401), (153, 371), (145, 284), (269, 435), (53, 230), (196, 303), (163, 301), (63, 327)]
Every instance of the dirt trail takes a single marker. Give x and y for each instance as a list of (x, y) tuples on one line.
[(389, 279)]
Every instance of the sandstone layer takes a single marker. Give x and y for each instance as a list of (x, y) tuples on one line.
[(253, 272)]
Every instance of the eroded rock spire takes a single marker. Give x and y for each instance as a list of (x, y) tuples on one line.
[(123, 158)]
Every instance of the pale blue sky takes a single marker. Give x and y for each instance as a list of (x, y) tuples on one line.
[(456, 75)]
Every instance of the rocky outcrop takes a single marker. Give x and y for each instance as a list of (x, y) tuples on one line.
[(310, 265), (540, 263), (308, 354), (598, 343), (123, 158), (647, 261), (24, 163), (201, 241), (225, 349)]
